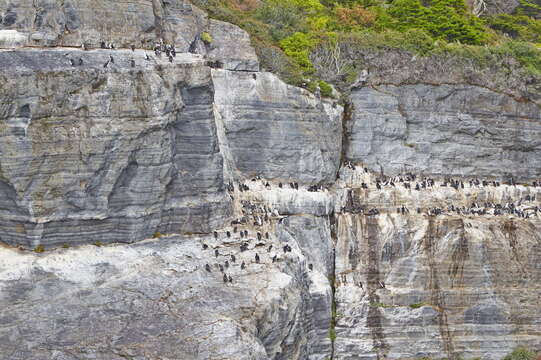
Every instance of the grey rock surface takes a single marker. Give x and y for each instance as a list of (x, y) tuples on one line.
[(494, 7), (156, 300), (231, 47), (445, 130), (139, 23), (106, 154), (115, 154), (275, 130), (447, 284), (411, 286)]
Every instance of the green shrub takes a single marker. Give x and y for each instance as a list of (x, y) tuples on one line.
[(520, 353), (273, 59), (157, 235), (518, 27), (527, 54), (293, 37), (332, 334), (417, 305), (39, 249), (284, 17), (206, 38), (298, 46), (529, 8), (65, 246), (443, 19), (326, 89), (98, 243)]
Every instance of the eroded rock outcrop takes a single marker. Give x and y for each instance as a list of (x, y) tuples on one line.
[(446, 281), (111, 154), (275, 130), (445, 130), (441, 281)]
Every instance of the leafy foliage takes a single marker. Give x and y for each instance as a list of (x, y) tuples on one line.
[(298, 46), (326, 89), (442, 19), (207, 39), (520, 354), (517, 27), (304, 40)]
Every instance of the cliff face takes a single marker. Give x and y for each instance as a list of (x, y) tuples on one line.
[(284, 236), (106, 154), (275, 130), (457, 284), (445, 286), (445, 129)]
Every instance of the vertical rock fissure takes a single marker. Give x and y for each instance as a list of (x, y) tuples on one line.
[(459, 257), (437, 298), (509, 229), (374, 317), (346, 118), (334, 237)]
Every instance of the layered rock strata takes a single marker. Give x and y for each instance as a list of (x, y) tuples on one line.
[(275, 130), (411, 285), (445, 130), (110, 154), (220, 163)]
